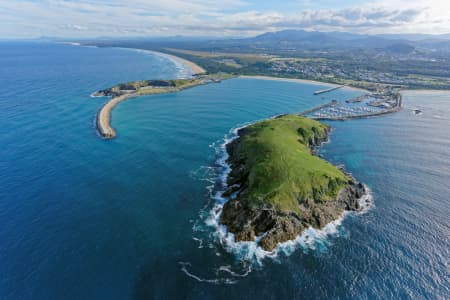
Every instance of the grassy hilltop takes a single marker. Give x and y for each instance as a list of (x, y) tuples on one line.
[(279, 186), (282, 169)]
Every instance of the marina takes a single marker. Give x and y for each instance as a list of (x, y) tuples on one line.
[(363, 106)]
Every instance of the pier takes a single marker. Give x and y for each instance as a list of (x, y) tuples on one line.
[(357, 99), (314, 109), (328, 90)]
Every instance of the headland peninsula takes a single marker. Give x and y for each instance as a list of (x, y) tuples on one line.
[(125, 91)]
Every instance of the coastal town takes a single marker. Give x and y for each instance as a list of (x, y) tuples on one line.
[(331, 71)]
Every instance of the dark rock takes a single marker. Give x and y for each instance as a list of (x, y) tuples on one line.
[(248, 221)]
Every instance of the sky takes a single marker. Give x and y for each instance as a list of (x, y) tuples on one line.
[(118, 18)]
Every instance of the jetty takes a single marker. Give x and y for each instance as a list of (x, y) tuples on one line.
[(328, 90), (104, 116), (317, 108), (357, 99)]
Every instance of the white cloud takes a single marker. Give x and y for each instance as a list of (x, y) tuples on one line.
[(203, 17)]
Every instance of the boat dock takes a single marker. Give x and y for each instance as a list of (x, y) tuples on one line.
[(357, 99), (314, 109), (328, 90)]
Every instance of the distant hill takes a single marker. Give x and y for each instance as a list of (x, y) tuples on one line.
[(335, 40), (400, 48), (289, 41)]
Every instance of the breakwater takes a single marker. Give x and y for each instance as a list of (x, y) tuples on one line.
[(104, 116), (317, 108)]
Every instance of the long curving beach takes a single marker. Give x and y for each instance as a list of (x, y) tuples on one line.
[(297, 80), (273, 78), (195, 69)]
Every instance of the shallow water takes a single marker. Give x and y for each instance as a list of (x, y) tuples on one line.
[(82, 217)]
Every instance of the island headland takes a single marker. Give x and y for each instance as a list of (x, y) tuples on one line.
[(278, 187)]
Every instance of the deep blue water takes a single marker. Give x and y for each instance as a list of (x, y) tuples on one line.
[(86, 218)]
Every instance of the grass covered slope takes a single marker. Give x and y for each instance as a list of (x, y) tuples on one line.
[(282, 169), (279, 186)]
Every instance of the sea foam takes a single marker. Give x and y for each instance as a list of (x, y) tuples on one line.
[(310, 239)]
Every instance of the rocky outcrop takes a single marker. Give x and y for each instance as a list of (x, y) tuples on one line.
[(248, 220)]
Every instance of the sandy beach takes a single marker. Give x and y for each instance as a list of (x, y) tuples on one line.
[(196, 69), (306, 81), (260, 77)]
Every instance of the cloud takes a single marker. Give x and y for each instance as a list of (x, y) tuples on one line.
[(73, 27), (351, 19), (90, 18)]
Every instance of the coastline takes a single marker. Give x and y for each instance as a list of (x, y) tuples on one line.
[(285, 79), (104, 117), (195, 69), (304, 81), (347, 87), (150, 87)]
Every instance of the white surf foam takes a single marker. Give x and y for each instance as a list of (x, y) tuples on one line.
[(183, 71), (185, 265), (227, 269), (310, 239)]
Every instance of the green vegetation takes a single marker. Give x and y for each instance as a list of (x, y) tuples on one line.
[(324, 56), (281, 170), (148, 87), (277, 187)]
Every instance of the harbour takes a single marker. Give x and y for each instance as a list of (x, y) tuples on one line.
[(364, 106)]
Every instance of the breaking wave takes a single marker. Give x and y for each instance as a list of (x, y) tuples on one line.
[(310, 240)]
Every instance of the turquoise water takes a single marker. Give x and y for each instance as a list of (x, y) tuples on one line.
[(86, 218)]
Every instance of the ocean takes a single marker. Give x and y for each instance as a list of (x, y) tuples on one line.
[(130, 218)]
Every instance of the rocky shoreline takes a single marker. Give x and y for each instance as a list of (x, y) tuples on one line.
[(268, 225)]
